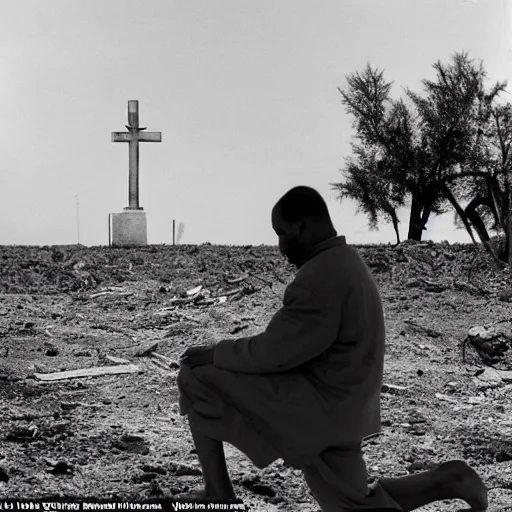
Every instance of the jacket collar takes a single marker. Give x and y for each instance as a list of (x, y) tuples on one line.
[(326, 244)]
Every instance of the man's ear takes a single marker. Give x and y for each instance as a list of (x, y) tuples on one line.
[(301, 226)]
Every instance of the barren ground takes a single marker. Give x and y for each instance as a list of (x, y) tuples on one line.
[(121, 437)]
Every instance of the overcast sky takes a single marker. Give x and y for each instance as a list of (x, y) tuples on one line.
[(243, 91)]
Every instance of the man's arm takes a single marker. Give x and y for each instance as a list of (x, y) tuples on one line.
[(301, 330)]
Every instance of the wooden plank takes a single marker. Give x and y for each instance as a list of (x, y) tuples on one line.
[(117, 360), (394, 388), (110, 293), (150, 137), (121, 137), (88, 372), (160, 364), (145, 348), (166, 360)]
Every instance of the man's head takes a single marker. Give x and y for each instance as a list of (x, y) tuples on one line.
[(301, 220)]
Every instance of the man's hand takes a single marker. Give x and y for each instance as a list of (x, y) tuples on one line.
[(198, 356)]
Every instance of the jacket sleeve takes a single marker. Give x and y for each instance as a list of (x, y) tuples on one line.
[(301, 330)]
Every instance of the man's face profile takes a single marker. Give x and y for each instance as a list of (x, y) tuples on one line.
[(290, 244)]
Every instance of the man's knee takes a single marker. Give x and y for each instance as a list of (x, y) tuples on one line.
[(183, 376), (191, 377)]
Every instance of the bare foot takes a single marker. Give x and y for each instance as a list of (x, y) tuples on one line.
[(457, 480), (201, 494)]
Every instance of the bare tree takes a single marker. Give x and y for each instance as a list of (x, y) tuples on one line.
[(372, 193), (416, 147)]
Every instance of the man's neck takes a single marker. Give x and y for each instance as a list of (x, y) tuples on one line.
[(321, 236)]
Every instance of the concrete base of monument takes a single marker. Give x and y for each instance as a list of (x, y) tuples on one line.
[(128, 228)]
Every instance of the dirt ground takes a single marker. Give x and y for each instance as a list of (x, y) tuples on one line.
[(121, 437)]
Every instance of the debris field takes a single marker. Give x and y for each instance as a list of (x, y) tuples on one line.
[(90, 339)]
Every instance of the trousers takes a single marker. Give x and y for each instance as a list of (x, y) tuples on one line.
[(338, 480)]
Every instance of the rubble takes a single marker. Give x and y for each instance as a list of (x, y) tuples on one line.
[(493, 344), (100, 308)]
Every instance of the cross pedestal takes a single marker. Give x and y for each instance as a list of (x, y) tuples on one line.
[(129, 228)]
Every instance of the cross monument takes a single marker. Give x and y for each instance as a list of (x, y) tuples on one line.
[(133, 136), (129, 228)]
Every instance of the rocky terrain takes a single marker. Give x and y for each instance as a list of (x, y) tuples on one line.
[(117, 319)]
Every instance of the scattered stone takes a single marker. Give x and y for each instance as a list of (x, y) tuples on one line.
[(506, 375), (183, 470), (446, 398), (416, 418), (131, 444), (82, 353), (69, 406), (22, 434), (144, 477), (490, 375), (77, 385), (505, 295), (186, 478), (254, 484), (153, 469), (492, 344), (416, 430), (481, 332), (62, 468), (504, 455), (421, 466), (155, 490), (431, 333), (194, 291)]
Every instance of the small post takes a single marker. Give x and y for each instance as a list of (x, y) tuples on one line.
[(509, 248), (173, 231), (77, 220)]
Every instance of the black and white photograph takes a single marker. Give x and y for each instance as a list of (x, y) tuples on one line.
[(256, 255)]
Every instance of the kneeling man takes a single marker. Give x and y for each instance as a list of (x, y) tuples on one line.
[(307, 389)]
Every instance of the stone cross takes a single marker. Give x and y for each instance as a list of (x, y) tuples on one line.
[(133, 136)]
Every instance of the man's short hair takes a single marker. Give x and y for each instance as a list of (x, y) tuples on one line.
[(302, 202)]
